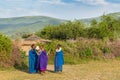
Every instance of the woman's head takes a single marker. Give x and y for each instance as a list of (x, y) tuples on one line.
[(41, 46), (33, 46), (58, 46)]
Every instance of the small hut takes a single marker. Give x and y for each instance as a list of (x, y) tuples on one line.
[(33, 39)]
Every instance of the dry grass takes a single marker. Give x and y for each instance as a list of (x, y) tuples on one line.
[(94, 70)]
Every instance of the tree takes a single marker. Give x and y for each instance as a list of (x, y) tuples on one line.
[(94, 23)]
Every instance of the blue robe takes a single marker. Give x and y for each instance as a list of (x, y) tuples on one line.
[(32, 61), (58, 61)]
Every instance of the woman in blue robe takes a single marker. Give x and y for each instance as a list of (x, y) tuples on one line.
[(32, 59), (59, 59)]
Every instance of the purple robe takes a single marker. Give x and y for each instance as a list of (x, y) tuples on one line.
[(42, 61)]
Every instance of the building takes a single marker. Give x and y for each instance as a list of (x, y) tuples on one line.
[(33, 39)]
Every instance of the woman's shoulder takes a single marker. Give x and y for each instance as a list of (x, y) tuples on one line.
[(60, 52), (43, 51), (30, 50)]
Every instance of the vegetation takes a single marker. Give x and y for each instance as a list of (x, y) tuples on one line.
[(26, 35), (83, 49), (83, 43), (87, 21), (69, 30), (108, 27), (79, 42), (10, 54), (5, 48), (17, 26)]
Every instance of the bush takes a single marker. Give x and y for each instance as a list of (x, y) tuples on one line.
[(86, 52), (23, 54), (106, 50), (10, 54), (83, 49), (107, 27), (88, 42), (78, 50), (26, 35), (5, 48), (18, 58), (68, 30)]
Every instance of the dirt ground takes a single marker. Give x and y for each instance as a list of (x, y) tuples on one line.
[(94, 70)]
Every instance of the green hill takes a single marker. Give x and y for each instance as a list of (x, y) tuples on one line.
[(88, 20), (115, 15), (31, 24), (27, 24)]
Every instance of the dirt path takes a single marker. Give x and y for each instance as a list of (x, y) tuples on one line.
[(95, 70)]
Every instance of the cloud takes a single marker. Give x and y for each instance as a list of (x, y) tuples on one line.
[(104, 3), (14, 0), (65, 9), (94, 2), (58, 2)]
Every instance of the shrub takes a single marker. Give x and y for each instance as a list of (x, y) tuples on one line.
[(23, 54), (106, 50), (26, 35), (107, 27), (5, 48), (10, 54), (86, 53), (68, 30)]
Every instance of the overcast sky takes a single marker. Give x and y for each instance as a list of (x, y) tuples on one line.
[(63, 9)]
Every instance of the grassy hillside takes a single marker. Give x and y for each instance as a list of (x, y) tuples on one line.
[(88, 20), (30, 24), (115, 15)]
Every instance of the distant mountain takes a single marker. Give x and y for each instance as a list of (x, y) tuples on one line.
[(31, 24), (88, 20), (115, 15), (27, 24)]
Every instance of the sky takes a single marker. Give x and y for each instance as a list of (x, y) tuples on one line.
[(63, 9)]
